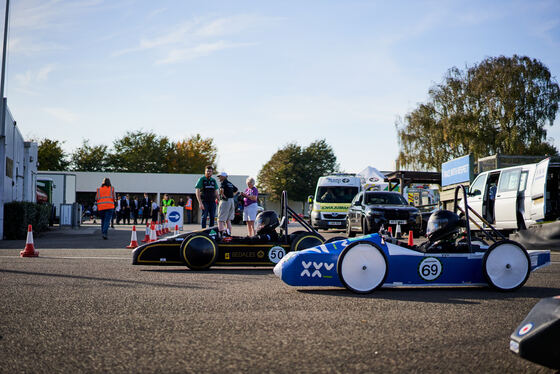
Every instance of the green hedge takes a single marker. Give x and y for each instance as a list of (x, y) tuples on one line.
[(19, 214)]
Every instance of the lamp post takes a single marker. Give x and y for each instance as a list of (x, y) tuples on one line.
[(3, 123)]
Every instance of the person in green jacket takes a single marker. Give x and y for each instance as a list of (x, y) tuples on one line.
[(167, 201)]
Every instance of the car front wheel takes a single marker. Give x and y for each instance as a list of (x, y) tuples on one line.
[(349, 232)]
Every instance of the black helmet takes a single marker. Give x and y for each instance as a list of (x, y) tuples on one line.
[(266, 222), (442, 224)]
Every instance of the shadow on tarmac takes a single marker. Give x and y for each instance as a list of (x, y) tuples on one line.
[(447, 295), (228, 271), (122, 282)]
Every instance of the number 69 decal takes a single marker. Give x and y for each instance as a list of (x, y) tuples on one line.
[(430, 268)]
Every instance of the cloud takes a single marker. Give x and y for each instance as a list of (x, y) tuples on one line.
[(30, 80), (62, 114), (194, 38), (201, 50)]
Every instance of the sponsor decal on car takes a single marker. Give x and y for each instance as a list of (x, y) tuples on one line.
[(525, 329), (315, 271)]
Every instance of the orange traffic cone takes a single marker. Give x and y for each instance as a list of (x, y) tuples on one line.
[(176, 230), (29, 250), (166, 230), (411, 238), (133, 240), (147, 235), (158, 229), (390, 231), (153, 235)]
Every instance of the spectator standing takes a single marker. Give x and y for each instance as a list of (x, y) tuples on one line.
[(127, 207), (94, 211), (226, 209), (146, 204), (154, 211), (250, 205), (105, 200), (135, 209), (118, 209), (206, 194), (188, 209), (166, 202)]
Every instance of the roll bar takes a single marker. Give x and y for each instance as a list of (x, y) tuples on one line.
[(465, 210), (290, 213)]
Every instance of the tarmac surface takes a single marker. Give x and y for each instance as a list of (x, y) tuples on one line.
[(81, 307)]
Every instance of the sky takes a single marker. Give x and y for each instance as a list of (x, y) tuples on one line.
[(255, 75)]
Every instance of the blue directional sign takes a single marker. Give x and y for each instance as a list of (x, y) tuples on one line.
[(174, 217), (457, 170)]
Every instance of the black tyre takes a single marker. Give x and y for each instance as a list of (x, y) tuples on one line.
[(305, 240), (368, 229), (506, 265), (199, 251), (349, 232), (362, 267)]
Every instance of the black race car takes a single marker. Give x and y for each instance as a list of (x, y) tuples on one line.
[(370, 210), (199, 250)]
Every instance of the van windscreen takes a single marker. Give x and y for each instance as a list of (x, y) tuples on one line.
[(336, 194)]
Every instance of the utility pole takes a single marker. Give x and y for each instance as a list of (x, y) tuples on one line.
[(3, 123)]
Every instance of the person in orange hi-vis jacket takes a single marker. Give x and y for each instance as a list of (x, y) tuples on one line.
[(105, 200)]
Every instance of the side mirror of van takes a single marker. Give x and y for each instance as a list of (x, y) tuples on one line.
[(310, 199), (474, 193)]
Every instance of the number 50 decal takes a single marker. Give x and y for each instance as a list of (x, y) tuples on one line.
[(430, 268)]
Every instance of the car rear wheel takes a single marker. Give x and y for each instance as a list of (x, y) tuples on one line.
[(349, 232), (199, 251), (305, 240), (506, 265), (362, 267)]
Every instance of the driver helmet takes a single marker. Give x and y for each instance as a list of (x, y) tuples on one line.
[(442, 224), (266, 222)]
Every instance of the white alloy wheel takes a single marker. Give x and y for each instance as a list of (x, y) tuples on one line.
[(362, 267), (506, 265)]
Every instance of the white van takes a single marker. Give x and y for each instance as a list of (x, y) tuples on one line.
[(516, 197), (333, 196)]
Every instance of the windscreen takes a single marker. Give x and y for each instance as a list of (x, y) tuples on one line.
[(383, 198), (336, 194)]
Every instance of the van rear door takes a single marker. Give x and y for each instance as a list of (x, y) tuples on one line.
[(538, 191), (505, 206)]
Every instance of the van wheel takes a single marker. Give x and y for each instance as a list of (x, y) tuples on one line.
[(349, 232)]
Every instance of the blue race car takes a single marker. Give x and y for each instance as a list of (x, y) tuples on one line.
[(448, 258)]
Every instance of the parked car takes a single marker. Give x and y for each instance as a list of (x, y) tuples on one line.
[(371, 209)]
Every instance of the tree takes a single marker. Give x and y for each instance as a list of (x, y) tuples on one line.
[(500, 105), (192, 155), (296, 170), (140, 152), (51, 156), (90, 158)]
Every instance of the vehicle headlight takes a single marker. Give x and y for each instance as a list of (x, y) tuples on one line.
[(372, 212), (315, 214)]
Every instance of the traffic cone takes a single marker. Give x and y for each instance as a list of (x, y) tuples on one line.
[(176, 230), (153, 235), (147, 235), (411, 238), (29, 250), (398, 232), (158, 229), (133, 240), (390, 231), (167, 231)]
